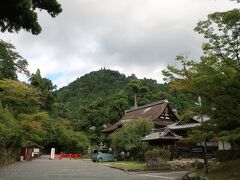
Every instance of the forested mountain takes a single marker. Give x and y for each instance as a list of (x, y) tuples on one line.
[(86, 89), (101, 97)]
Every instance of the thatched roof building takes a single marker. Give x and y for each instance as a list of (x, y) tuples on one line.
[(159, 112)]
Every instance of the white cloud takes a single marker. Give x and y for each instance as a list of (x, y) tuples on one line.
[(132, 36)]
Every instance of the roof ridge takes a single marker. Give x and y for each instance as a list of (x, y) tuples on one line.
[(147, 105)]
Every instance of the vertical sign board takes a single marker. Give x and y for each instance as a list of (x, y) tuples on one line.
[(52, 153)]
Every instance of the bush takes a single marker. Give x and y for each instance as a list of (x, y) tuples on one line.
[(129, 138), (157, 158), (225, 155), (159, 154)]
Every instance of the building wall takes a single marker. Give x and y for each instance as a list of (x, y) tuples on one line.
[(224, 145)]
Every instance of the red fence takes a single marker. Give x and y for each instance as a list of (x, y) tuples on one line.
[(70, 156)]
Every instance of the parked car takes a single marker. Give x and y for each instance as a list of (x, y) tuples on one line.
[(103, 155)]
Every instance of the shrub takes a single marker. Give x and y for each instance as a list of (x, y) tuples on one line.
[(129, 137), (159, 154), (157, 158)]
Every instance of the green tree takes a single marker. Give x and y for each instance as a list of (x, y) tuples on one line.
[(32, 127), (128, 138), (118, 105), (65, 139), (9, 129), (45, 86), (11, 62), (21, 14), (216, 76), (9, 136), (73, 141), (222, 32), (20, 97), (135, 86)]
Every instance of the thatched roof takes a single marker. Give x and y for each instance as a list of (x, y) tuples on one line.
[(160, 112)]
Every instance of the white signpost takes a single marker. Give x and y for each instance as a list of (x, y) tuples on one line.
[(52, 154)]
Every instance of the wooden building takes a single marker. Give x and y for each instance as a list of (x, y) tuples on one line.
[(159, 112), (162, 137), (31, 151), (168, 129)]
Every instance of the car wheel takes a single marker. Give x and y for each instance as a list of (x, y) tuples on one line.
[(100, 160), (115, 159)]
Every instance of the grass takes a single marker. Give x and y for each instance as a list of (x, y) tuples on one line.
[(128, 165), (224, 170)]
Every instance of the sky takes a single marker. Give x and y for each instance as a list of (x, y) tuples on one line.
[(138, 37)]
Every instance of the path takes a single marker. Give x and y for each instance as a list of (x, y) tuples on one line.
[(74, 169)]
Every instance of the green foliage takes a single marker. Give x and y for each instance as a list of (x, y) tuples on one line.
[(64, 138), (19, 96), (11, 62), (27, 124), (118, 106), (59, 110), (21, 14), (32, 127), (224, 170), (101, 97), (128, 138), (72, 141), (204, 132), (9, 136), (232, 135), (135, 85), (216, 76), (86, 89), (46, 87), (137, 88), (226, 155), (157, 158), (222, 32), (128, 165), (158, 154), (9, 129)]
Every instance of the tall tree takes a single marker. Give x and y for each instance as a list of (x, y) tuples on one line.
[(118, 105), (45, 86), (11, 62), (21, 14), (20, 97), (216, 76), (129, 137), (135, 86)]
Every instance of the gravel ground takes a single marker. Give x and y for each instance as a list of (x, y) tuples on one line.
[(74, 169)]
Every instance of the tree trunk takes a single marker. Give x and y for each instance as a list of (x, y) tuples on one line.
[(135, 100)]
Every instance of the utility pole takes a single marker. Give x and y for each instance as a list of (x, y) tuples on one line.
[(204, 139)]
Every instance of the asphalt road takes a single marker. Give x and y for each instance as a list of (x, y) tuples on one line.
[(74, 169)]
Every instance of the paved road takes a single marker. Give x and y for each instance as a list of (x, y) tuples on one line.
[(74, 169)]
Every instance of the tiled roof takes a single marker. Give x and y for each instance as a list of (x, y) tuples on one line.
[(191, 123), (183, 126), (161, 134)]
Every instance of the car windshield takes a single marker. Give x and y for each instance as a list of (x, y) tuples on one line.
[(95, 151)]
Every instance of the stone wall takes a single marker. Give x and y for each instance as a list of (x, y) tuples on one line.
[(175, 165)]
